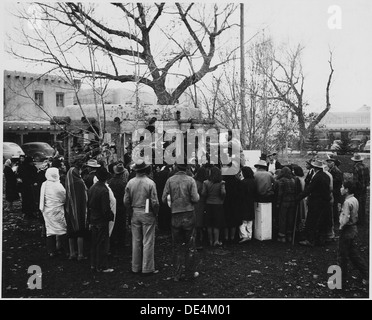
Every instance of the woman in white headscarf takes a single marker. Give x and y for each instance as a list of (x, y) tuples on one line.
[(52, 200)]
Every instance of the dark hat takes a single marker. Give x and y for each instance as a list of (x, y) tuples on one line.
[(119, 168), (263, 156), (29, 159), (309, 161), (102, 174), (181, 166), (331, 158), (56, 163), (140, 166)]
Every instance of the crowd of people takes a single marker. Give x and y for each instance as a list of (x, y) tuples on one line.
[(196, 205)]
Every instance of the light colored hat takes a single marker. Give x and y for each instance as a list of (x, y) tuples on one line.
[(261, 163), (93, 163), (357, 157), (317, 163)]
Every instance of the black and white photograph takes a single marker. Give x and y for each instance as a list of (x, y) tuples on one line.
[(183, 156)]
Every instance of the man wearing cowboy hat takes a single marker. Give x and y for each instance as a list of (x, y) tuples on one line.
[(338, 178), (141, 200), (98, 217), (361, 178), (310, 172), (91, 167), (264, 182), (117, 185), (183, 195), (319, 196), (273, 164)]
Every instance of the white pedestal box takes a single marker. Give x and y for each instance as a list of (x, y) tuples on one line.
[(263, 221)]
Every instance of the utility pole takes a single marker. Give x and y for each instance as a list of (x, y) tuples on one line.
[(243, 127)]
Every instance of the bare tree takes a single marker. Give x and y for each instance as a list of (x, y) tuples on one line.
[(287, 78), (118, 32)]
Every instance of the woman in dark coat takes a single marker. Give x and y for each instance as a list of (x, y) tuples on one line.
[(247, 194), (117, 185), (164, 214), (27, 173), (200, 177), (11, 192), (231, 207)]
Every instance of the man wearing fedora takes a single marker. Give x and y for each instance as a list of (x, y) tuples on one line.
[(141, 200), (264, 182), (183, 195), (98, 217), (361, 178), (91, 167), (319, 195), (117, 185), (273, 164), (310, 172), (338, 179)]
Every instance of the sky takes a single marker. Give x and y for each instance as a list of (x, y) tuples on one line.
[(344, 27)]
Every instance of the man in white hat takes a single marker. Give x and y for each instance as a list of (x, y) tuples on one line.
[(91, 167), (319, 196), (264, 182), (361, 178)]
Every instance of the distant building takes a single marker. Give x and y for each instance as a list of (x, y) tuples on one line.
[(30, 101), (45, 108), (352, 125)]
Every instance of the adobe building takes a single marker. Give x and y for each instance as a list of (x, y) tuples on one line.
[(45, 108), (30, 101)]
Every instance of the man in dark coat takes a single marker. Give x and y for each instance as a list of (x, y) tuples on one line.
[(361, 178), (98, 218), (11, 192), (319, 195), (164, 215), (117, 185), (338, 179), (91, 166), (273, 164)]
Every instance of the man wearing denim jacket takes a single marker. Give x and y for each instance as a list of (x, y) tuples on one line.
[(141, 200), (183, 195)]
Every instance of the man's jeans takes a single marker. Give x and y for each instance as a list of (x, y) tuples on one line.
[(183, 236), (143, 242)]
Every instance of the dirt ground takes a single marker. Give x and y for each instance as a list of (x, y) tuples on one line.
[(258, 269)]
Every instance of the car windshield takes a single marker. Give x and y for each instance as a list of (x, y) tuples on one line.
[(11, 146)]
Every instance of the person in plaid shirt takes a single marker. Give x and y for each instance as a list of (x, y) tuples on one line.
[(361, 178)]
